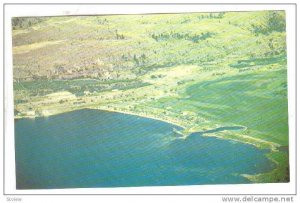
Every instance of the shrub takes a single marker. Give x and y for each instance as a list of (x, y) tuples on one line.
[(25, 22)]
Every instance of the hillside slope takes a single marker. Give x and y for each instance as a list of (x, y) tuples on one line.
[(198, 70)]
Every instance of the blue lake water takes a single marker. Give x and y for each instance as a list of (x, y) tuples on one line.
[(92, 148)]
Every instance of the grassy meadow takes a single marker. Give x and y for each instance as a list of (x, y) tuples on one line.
[(200, 71)]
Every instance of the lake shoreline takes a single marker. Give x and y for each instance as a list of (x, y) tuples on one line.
[(141, 115), (186, 131), (122, 137)]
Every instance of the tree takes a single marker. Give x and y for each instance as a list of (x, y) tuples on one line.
[(274, 21)]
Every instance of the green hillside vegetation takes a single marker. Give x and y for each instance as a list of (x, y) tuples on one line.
[(197, 70)]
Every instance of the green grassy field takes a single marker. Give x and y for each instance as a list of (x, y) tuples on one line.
[(197, 70)]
